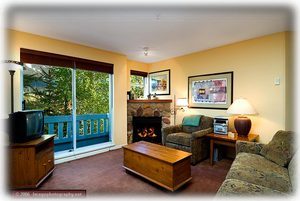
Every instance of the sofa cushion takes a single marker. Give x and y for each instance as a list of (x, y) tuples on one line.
[(292, 170), (257, 170), (280, 149), (179, 138), (190, 129), (238, 187), (179, 146)]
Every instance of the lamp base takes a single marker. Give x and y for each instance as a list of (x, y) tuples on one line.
[(242, 126)]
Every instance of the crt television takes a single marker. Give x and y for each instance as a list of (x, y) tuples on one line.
[(26, 125)]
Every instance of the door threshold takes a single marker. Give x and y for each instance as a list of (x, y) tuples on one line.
[(69, 155)]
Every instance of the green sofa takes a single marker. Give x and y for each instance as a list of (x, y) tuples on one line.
[(262, 169)]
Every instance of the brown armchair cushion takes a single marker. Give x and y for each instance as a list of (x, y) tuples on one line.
[(280, 149), (190, 129), (180, 138)]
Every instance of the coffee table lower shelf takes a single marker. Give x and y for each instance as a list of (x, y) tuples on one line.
[(166, 167)]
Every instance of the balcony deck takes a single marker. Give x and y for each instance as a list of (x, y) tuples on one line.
[(90, 129)]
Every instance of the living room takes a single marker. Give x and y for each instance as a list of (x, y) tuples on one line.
[(261, 62)]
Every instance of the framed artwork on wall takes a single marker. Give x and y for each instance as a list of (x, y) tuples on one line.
[(159, 82), (211, 91)]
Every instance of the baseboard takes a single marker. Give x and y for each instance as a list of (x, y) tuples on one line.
[(117, 147), (87, 154)]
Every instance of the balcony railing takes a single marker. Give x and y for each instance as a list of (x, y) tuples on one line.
[(90, 129)]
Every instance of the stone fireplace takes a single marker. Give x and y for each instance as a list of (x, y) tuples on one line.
[(147, 108)]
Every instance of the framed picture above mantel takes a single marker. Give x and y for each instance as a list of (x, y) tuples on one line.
[(211, 91), (159, 82)]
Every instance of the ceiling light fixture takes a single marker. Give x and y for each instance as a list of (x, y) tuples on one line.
[(146, 51)]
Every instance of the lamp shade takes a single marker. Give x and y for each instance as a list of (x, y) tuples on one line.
[(13, 65), (181, 102), (241, 107)]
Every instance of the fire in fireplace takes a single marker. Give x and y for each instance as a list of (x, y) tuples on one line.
[(147, 132), (147, 129)]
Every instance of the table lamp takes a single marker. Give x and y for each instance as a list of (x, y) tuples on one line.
[(242, 123)]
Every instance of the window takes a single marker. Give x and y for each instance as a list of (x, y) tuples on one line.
[(137, 85), (74, 94), (138, 82)]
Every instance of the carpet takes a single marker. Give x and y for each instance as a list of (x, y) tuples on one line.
[(103, 174)]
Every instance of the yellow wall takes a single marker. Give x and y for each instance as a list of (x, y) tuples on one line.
[(255, 63), (17, 40), (135, 65), (290, 83)]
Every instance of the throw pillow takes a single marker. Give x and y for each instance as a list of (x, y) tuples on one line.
[(193, 120), (280, 149)]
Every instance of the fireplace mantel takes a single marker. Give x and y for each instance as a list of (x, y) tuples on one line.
[(150, 101)]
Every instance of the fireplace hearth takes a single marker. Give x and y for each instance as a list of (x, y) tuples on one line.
[(147, 129)]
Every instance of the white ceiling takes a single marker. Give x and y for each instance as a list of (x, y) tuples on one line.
[(167, 31)]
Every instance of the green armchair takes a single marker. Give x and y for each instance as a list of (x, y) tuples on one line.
[(190, 138)]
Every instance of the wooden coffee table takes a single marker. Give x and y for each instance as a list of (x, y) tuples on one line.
[(167, 167)]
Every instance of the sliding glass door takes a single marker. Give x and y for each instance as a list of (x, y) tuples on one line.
[(71, 98), (49, 88), (92, 107)]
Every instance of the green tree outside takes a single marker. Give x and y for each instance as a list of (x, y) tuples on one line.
[(50, 88), (137, 85)]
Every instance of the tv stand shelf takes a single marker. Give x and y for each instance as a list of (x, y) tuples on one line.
[(30, 163)]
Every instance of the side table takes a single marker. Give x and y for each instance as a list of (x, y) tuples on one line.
[(227, 141)]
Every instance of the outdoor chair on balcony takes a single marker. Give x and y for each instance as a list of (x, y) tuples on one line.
[(190, 136)]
